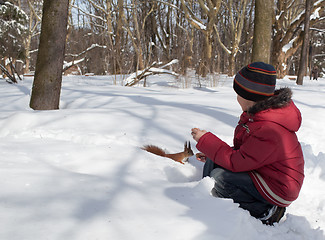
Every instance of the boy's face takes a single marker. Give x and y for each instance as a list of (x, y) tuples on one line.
[(244, 103)]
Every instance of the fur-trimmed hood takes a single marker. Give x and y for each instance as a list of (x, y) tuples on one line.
[(281, 98), (278, 109)]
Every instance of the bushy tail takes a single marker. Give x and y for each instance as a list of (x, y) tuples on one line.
[(155, 150)]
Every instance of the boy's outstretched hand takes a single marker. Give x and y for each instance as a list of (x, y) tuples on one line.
[(197, 133), (201, 157)]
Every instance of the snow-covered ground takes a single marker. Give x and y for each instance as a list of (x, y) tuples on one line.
[(78, 173)]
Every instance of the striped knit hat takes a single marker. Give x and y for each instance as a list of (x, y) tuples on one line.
[(256, 81)]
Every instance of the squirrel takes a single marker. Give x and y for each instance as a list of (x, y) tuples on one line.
[(180, 157)]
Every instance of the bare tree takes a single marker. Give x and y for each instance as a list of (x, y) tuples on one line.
[(165, 24), (48, 75), (13, 32), (119, 36), (209, 9), (304, 48), (35, 8), (287, 29), (232, 23)]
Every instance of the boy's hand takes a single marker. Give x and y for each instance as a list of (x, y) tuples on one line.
[(201, 157), (197, 133)]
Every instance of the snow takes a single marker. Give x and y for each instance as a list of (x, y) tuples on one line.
[(78, 173), (69, 64), (174, 61), (87, 50), (288, 46), (277, 17), (284, 66), (201, 26), (317, 2), (315, 14)]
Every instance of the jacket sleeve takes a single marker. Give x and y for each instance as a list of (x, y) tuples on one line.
[(255, 152)]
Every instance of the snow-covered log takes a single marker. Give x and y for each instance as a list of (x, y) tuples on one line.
[(68, 65), (154, 68)]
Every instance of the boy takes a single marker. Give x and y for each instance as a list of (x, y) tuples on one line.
[(264, 170)]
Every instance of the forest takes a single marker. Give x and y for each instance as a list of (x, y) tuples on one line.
[(123, 36), (78, 106)]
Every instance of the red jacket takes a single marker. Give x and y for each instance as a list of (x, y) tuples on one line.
[(265, 146)]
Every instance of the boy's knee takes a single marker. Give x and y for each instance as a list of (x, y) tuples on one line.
[(223, 186), (218, 174)]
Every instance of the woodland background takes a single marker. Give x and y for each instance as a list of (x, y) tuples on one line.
[(122, 36)]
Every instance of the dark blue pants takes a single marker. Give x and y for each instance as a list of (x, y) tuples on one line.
[(237, 186)]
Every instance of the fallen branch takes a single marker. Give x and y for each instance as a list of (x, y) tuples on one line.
[(153, 69), (86, 50), (68, 65), (5, 71)]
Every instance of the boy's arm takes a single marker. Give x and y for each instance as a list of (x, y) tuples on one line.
[(253, 154)]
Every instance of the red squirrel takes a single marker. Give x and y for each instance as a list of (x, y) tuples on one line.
[(180, 157)]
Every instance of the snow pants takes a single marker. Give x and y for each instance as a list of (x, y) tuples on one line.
[(237, 186)]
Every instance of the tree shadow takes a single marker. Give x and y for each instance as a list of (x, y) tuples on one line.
[(153, 104)]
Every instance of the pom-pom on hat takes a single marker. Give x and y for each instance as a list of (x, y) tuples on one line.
[(256, 81)]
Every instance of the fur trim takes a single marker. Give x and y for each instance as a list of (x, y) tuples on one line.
[(281, 98)]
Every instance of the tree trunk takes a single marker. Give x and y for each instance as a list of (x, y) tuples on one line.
[(304, 48), (27, 42), (48, 75), (231, 68), (138, 49), (262, 30), (207, 55)]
